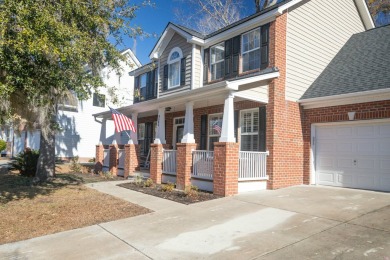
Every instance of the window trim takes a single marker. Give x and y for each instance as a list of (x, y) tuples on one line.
[(172, 62), (215, 63), (208, 128), (245, 52), (139, 137), (97, 95)]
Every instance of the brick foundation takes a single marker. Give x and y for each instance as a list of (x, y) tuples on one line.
[(184, 164), (226, 169), (99, 158), (364, 111), (156, 155)]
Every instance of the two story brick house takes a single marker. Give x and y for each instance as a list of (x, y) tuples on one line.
[(236, 92)]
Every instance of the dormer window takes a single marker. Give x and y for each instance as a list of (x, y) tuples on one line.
[(174, 62)]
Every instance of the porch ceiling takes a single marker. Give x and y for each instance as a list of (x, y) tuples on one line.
[(251, 88)]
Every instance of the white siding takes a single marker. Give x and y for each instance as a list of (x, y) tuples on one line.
[(255, 94), (197, 67), (316, 31)]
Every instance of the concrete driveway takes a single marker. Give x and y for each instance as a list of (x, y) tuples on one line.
[(302, 222)]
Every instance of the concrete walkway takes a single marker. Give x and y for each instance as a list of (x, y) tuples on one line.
[(300, 222)]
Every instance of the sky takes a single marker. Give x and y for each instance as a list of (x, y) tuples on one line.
[(154, 20)]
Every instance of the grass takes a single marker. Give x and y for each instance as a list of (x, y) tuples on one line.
[(63, 203)]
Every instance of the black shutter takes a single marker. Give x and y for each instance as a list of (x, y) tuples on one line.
[(203, 132), (264, 46), (236, 55), (148, 85), (236, 117), (262, 128), (155, 84), (228, 58), (165, 83), (183, 72), (206, 59)]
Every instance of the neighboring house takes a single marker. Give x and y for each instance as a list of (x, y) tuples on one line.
[(242, 83), (351, 152), (79, 128)]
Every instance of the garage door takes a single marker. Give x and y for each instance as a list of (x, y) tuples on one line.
[(353, 155)]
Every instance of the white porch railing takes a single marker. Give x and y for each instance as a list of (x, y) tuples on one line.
[(253, 166), (169, 161), (121, 158), (203, 164), (106, 158)]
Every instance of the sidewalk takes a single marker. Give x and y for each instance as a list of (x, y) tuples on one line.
[(298, 222)]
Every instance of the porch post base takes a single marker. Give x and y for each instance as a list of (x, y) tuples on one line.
[(156, 156), (114, 159), (131, 159), (225, 181), (184, 164), (99, 158)]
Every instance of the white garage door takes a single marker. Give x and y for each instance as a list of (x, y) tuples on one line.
[(353, 155)]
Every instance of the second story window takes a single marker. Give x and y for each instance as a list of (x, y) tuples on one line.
[(251, 50), (217, 54), (99, 100), (174, 62)]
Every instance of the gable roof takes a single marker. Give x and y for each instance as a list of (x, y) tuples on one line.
[(362, 64)]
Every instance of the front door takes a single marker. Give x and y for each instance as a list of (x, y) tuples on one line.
[(179, 133)]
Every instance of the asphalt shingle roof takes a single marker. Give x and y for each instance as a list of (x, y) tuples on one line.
[(362, 64)]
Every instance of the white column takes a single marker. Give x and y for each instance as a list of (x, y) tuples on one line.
[(227, 134), (188, 135), (160, 133), (134, 137)]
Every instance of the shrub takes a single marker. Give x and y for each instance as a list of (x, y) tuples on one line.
[(26, 162), (3, 145), (138, 180), (92, 159), (168, 187), (148, 183), (191, 191), (75, 166), (106, 175)]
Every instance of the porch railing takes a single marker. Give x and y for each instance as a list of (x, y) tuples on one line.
[(121, 158), (203, 164), (106, 158), (253, 166), (169, 161)]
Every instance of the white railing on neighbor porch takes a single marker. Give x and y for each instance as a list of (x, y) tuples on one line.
[(106, 158), (203, 164), (253, 166), (121, 158), (169, 161)]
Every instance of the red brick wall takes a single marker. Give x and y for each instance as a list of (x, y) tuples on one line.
[(364, 111), (156, 156), (284, 119)]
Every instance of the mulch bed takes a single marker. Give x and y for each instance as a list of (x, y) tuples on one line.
[(174, 195)]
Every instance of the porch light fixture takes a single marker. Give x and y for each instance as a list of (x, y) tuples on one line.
[(351, 115), (167, 109)]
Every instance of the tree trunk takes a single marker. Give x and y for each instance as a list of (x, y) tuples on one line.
[(46, 161)]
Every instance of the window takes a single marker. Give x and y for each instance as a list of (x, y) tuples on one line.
[(251, 50), (215, 129), (174, 61), (217, 63), (141, 131), (249, 130), (99, 100), (142, 86)]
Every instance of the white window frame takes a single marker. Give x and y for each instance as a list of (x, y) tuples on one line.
[(173, 62), (175, 125), (209, 127), (252, 111), (214, 75), (252, 50)]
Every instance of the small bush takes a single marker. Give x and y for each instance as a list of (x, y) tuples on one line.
[(75, 166), (191, 191), (3, 145), (106, 175), (168, 187), (26, 162), (148, 183), (138, 180), (92, 160)]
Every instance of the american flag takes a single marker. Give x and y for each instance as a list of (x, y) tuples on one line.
[(122, 122), (216, 127)]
